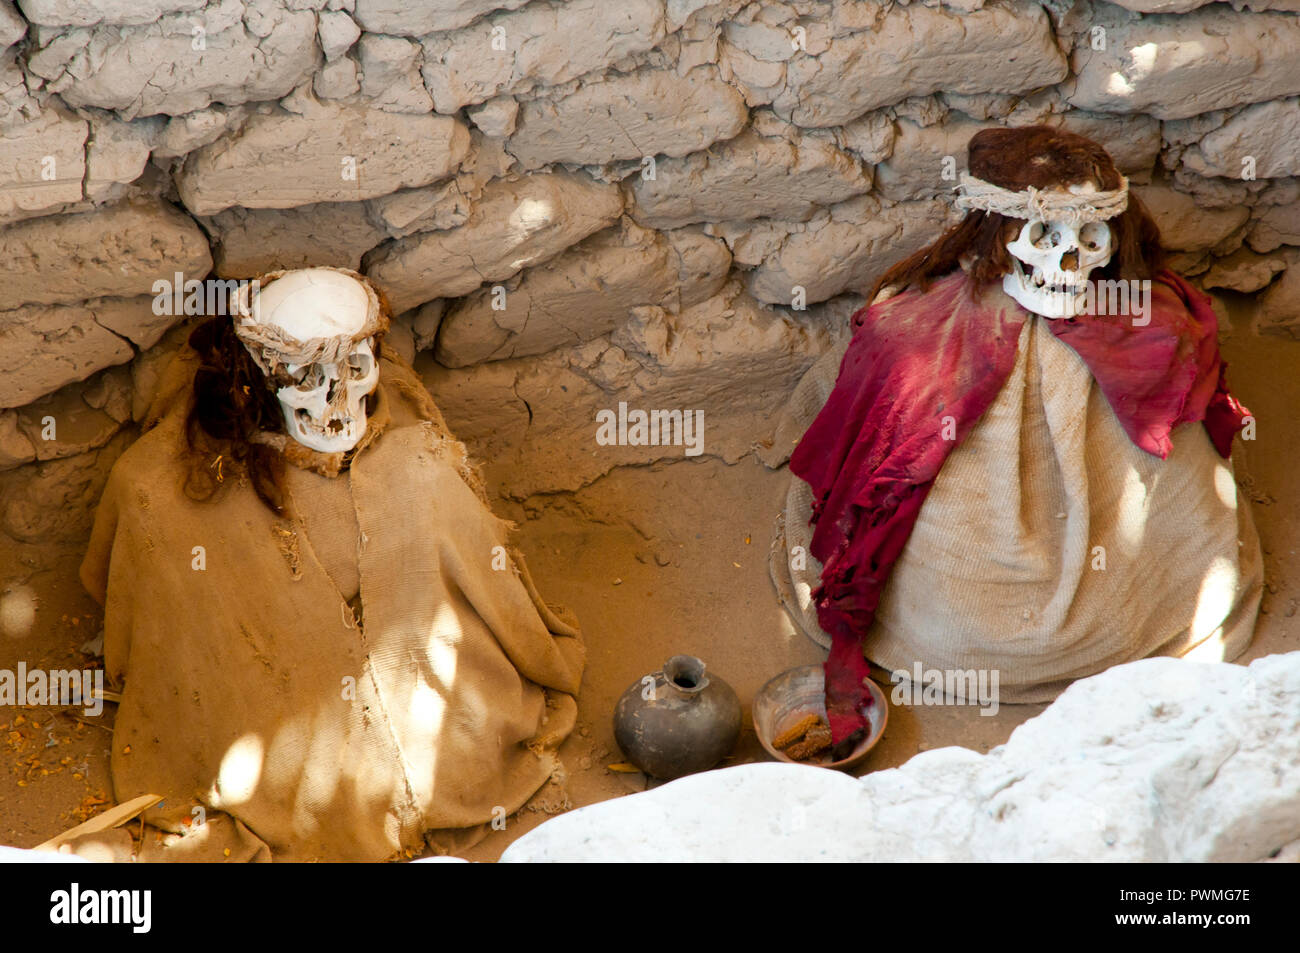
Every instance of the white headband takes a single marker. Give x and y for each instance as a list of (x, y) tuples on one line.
[(1036, 204)]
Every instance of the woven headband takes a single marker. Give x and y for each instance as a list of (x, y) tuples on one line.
[(1037, 204), (272, 348)]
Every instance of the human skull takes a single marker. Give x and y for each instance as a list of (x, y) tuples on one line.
[(1051, 262), (323, 403)]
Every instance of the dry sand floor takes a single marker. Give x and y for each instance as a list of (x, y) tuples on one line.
[(655, 561)]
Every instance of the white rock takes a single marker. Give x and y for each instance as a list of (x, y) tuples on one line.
[(845, 249), (44, 347), (424, 323), (915, 51), (1279, 305), (184, 134), (1162, 760), (418, 17), (680, 11), (760, 80), (545, 42), (750, 176), (17, 104), (17, 855), (431, 208), (117, 155), (1217, 193), (1132, 141), (1177, 66), (337, 80), (42, 163), (251, 242), (1268, 133), (871, 136), (55, 501), (1275, 226), (1184, 6), (80, 426), (1184, 225), (390, 74), (337, 32), (90, 12), (16, 448), (581, 294), (926, 160), (282, 160), (12, 26), (1161, 6), (534, 418), (496, 117), (1243, 271), (922, 110), (516, 224), (235, 66), (117, 250), (675, 116)]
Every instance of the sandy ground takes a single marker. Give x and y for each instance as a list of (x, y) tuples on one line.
[(657, 560)]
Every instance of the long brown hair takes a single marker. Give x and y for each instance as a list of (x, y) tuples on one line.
[(1038, 156), (231, 402)]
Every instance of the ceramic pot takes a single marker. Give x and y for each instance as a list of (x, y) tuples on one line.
[(677, 721)]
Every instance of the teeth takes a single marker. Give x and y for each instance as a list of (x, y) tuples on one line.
[(332, 427)]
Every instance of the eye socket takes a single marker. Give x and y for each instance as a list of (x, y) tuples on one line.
[(306, 377), (1094, 235), (1036, 232), (359, 365)]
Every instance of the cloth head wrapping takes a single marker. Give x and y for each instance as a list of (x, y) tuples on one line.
[(272, 347), (1038, 204)]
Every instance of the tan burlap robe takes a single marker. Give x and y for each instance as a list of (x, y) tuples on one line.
[(327, 731), (1050, 547)]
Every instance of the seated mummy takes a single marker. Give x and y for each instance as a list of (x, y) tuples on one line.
[(328, 649), (1019, 464)]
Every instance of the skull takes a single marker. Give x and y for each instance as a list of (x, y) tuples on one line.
[(323, 403), (1052, 261)]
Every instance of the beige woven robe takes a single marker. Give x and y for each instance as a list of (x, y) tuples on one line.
[(252, 690)]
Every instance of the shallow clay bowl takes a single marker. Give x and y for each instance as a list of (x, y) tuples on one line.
[(799, 692)]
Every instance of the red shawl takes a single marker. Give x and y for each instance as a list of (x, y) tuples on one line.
[(920, 371)]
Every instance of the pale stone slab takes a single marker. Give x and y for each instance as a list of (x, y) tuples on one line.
[(750, 176), (118, 250), (1178, 66), (583, 293), (144, 70), (334, 153), (647, 113), (915, 51), (516, 224), (545, 43)]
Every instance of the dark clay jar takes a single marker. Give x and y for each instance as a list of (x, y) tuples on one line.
[(677, 721)]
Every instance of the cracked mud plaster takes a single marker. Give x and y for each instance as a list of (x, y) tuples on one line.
[(613, 167)]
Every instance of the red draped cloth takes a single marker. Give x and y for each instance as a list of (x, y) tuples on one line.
[(920, 371)]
